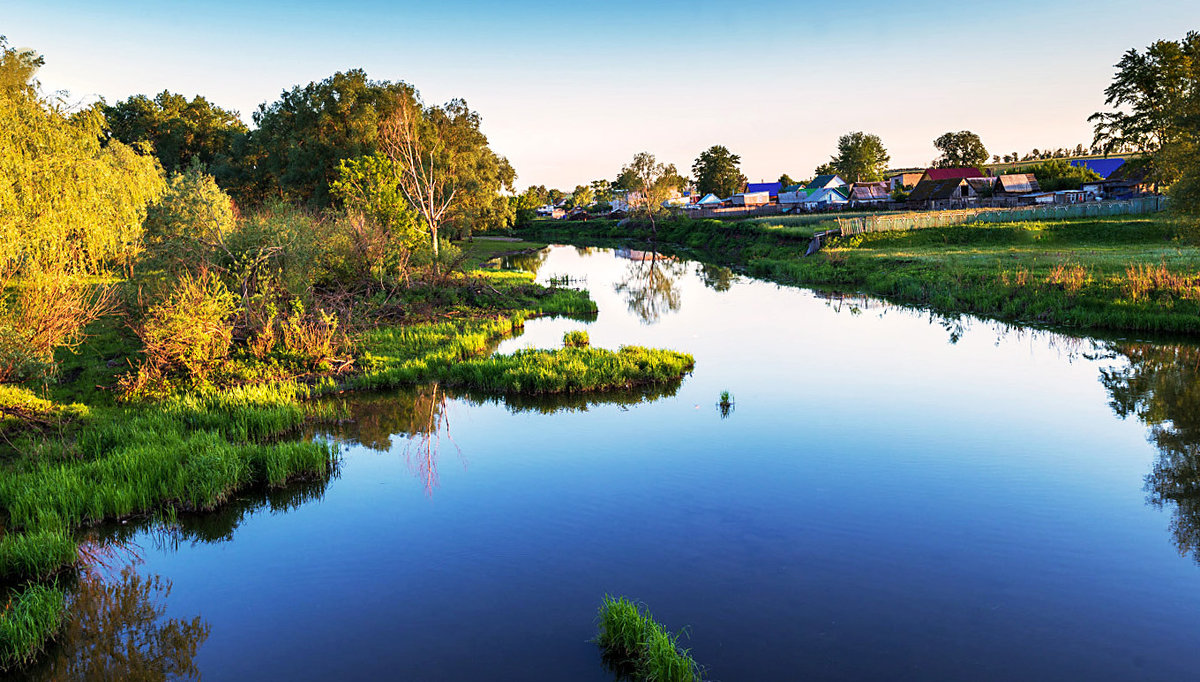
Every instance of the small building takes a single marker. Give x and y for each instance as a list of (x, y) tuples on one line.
[(1101, 167), (771, 188), (751, 199), (1127, 181), (709, 200), (794, 195), (905, 181), (984, 187), (1015, 184), (950, 174), (870, 193), (823, 181)]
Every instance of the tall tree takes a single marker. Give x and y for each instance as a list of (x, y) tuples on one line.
[(179, 130), (786, 180), (1155, 101), (716, 172), (653, 183), (860, 157), (961, 149), (301, 138)]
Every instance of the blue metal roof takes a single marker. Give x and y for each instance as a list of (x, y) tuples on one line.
[(1102, 167), (770, 187)]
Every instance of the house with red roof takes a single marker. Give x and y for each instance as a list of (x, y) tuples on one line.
[(938, 174)]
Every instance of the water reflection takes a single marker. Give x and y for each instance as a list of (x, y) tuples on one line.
[(1160, 386), (715, 277), (650, 284), (117, 630)]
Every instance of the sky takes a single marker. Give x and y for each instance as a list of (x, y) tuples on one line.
[(569, 92)]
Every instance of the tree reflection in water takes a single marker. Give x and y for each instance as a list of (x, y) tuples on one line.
[(116, 627), (649, 285), (715, 277), (1161, 387)]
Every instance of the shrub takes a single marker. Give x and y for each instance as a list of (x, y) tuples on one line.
[(49, 311), (189, 332)]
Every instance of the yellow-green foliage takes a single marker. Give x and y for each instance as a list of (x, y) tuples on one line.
[(20, 407), (192, 214), (639, 647), (64, 196), (192, 329)]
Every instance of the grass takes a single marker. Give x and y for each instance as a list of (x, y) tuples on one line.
[(477, 251), (28, 621), (638, 647), (34, 555), (1129, 273)]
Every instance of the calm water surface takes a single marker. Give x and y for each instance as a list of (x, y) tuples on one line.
[(893, 496)]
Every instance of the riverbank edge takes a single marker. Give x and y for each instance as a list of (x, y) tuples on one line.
[(1027, 290), (194, 451)]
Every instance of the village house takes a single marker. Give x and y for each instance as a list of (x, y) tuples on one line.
[(771, 188), (793, 195), (949, 174), (946, 193), (826, 197), (824, 181)]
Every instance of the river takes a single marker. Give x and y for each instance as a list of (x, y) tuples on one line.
[(891, 495)]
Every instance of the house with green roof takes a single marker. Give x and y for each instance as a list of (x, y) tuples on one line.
[(823, 181)]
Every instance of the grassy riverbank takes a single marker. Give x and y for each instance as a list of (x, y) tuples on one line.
[(1135, 273), (73, 455)]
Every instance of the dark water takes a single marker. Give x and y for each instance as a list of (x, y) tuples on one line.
[(892, 496)]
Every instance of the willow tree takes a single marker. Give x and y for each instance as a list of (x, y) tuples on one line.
[(71, 205)]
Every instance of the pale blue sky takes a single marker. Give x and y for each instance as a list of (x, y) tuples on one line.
[(570, 92)]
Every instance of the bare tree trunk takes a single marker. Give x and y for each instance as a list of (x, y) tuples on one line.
[(426, 181)]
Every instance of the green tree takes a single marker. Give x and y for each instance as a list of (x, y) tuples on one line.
[(479, 173), (860, 157), (716, 172), (582, 197), (301, 138), (602, 190), (960, 150), (649, 183), (786, 180), (1155, 101), (826, 168), (188, 221), (179, 130)]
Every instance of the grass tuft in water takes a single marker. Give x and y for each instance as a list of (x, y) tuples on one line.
[(29, 619), (640, 648), (576, 339)]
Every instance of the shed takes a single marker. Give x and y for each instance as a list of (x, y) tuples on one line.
[(1017, 183), (751, 199), (869, 192)]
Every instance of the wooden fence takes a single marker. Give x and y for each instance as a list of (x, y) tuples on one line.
[(913, 221)]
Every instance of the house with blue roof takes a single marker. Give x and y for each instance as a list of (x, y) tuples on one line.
[(1101, 167), (771, 188)]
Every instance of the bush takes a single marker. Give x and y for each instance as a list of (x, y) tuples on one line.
[(189, 332)]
